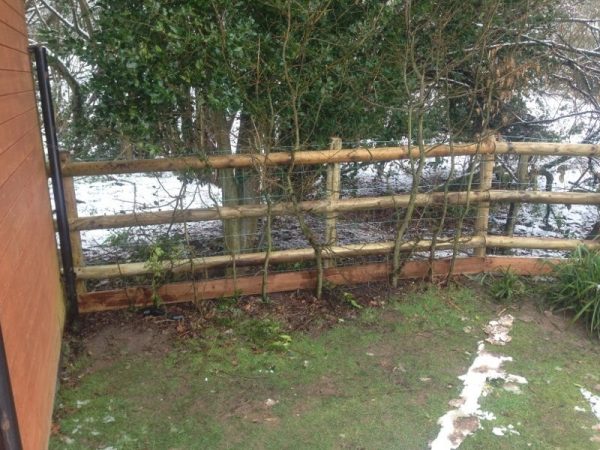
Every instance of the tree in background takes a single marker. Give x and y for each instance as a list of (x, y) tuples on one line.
[(334, 67), (150, 78)]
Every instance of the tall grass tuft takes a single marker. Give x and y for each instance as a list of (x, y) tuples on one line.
[(578, 287), (507, 287)]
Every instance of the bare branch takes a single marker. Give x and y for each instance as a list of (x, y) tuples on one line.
[(555, 119), (72, 26)]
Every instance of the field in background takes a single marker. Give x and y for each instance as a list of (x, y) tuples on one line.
[(364, 368)]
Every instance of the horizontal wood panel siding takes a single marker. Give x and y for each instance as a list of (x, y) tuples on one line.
[(18, 6), (31, 303), (12, 17), (10, 160), (15, 104), (12, 38), (11, 82), (12, 131), (13, 60)]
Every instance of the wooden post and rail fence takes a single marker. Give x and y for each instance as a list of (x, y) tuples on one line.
[(329, 207)]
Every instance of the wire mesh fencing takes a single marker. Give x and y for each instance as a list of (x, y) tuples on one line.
[(258, 219)]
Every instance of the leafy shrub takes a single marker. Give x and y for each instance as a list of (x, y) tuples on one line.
[(507, 287), (155, 264), (578, 287), (165, 249)]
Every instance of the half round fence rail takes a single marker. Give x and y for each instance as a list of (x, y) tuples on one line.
[(312, 157)]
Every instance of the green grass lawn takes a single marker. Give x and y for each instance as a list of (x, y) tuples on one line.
[(379, 378)]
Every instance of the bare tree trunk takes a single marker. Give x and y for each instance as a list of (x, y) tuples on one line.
[(186, 108), (248, 183), (229, 192), (513, 210), (549, 183)]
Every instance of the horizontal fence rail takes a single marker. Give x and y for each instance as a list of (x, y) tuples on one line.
[(347, 251), (312, 157), (326, 206), (281, 282), (478, 239)]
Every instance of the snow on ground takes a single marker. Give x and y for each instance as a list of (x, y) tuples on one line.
[(502, 431), (497, 330), (593, 400), (465, 418), (120, 194), (131, 193), (565, 221), (568, 220), (562, 113)]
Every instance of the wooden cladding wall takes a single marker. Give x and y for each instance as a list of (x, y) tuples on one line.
[(31, 299)]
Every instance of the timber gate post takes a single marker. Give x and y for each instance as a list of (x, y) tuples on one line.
[(486, 171), (71, 206), (333, 195)]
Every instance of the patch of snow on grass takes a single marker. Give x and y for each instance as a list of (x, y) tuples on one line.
[(497, 330), (593, 400), (485, 367), (503, 431), (464, 420)]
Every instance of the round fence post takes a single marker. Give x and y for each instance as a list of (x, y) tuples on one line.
[(486, 171), (333, 195)]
